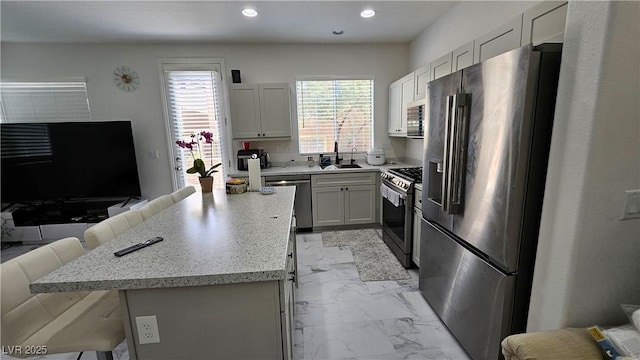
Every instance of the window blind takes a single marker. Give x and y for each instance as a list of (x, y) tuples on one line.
[(44, 101), (334, 110), (193, 102)]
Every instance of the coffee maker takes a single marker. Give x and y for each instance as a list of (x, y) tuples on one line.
[(245, 155)]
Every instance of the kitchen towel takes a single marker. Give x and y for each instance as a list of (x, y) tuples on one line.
[(255, 182), (393, 196), (384, 191)]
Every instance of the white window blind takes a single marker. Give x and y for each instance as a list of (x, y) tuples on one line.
[(44, 101), (194, 106), (334, 110)]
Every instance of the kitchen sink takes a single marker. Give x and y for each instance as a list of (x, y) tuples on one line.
[(348, 166)]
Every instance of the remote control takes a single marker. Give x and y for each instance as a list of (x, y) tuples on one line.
[(139, 246)]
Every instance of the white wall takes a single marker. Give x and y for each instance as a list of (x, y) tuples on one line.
[(588, 260), (463, 23), (257, 63)]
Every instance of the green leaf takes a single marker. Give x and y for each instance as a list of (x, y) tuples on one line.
[(198, 164)]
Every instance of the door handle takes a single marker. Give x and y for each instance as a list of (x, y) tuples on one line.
[(458, 152), (447, 156)]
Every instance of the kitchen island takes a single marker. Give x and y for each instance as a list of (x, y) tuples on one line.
[(220, 284)]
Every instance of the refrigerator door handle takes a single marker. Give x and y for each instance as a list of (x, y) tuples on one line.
[(458, 148), (446, 161)]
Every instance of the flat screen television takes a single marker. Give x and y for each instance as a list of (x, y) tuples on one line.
[(68, 161)]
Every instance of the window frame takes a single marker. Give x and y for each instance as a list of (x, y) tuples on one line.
[(332, 78), (194, 64)]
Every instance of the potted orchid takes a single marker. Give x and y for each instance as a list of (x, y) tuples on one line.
[(199, 166)]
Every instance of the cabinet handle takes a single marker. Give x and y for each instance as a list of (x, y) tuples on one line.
[(264, 135), (341, 189), (347, 189), (290, 255), (258, 134), (293, 279), (292, 272)]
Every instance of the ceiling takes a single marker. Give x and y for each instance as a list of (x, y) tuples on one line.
[(216, 21)]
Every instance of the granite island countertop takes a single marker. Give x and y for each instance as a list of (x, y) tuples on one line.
[(208, 240)]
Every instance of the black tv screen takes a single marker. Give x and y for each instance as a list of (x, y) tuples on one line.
[(70, 160)]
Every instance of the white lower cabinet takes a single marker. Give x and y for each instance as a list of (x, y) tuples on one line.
[(288, 302), (244, 320), (359, 204), (327, 206), (343, 199), (417, 218)]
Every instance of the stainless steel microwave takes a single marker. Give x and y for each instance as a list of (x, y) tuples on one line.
[(415, 119)]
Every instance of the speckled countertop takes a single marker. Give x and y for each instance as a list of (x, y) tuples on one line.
[(208, 240), (297, 169)]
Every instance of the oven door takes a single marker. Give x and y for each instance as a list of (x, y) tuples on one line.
[(397, 227)]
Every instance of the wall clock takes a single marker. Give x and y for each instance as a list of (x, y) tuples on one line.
[(125, 78)]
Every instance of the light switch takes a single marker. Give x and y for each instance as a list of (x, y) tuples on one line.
[(154, 155), (631, 205)]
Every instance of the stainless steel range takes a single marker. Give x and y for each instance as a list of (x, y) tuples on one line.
[(397, 210)]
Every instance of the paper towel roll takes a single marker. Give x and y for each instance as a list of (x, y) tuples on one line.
[(255, 183)]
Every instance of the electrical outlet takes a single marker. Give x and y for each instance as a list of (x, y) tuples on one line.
[(147, 329)]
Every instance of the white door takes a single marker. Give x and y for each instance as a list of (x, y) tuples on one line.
[(194, 103)]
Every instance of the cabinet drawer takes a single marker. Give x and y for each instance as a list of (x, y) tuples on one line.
[(368, 178)]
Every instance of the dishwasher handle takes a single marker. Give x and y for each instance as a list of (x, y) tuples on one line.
[(287, 182)]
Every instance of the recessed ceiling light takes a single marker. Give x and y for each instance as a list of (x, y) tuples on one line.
[(338, 32), (249, 12), (368, 13)]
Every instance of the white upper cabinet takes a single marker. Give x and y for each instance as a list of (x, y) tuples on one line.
[(260, 110), (544, 22), (441, 66), (275, 112), (400, 94), (500, 40), (462, 57), (421, 77)]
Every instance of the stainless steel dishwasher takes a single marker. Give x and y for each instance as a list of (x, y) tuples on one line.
[(302, 203)]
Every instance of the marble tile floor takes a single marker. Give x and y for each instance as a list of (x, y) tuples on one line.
[(338, 316)]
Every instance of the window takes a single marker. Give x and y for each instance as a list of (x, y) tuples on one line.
[(334, 110), (44, 101), (194, 104)]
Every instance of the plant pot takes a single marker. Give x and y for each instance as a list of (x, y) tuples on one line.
[(206, 183)]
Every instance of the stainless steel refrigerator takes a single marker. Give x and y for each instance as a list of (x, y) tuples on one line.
[(486, 148)]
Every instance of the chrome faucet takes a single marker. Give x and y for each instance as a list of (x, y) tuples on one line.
[(353, 161), (335, 149)]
